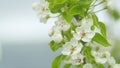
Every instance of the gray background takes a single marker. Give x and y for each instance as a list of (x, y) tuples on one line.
[(24, 40)]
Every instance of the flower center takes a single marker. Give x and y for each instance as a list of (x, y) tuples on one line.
[(73, 48), (83, 34), (79, 60)]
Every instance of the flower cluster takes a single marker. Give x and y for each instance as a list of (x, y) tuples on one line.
[(83, 40)]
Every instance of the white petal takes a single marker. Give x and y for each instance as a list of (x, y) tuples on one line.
[(88, 65), (101, 60), (111, 61), (57, 38), (35, 6), (77, 59), (66, 49), (77, 36), (116, 66), (86, 39), (90, 34), (78, 49), (74, 42)]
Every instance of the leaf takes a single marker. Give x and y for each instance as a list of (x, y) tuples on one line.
[(67, 66), (86, 3), (100, 66), (56, 5), (77, 10), (55, 46), (87, 51), (95, 20), (57, 61), (60, 1), (114, 13), (67, 17), (101, 40), (79, 66), (102, 28)]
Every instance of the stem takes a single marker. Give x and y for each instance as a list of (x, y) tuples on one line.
[(94, 2), (54, 16), (100, 10), (98, 3)]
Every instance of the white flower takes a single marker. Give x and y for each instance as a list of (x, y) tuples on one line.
[(84, 33), (62, 24), (116, 66), (112, 63), (43, 17), (57, 37), (100, 53), (88, 65), (55, 33), (42, 10), (87, 22), (101, 57), (41, 6), (77, 58), (72, 47)]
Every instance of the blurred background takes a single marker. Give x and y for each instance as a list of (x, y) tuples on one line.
[(24, 41)]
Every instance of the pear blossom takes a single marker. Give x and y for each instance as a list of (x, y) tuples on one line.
[(62, 24), (57, 37), (112, 63), (43, 17), (42, 10), (100, 53), (72, 47), (84, 31), (77, 59), (55, 33), (40, 7), (101, 57)]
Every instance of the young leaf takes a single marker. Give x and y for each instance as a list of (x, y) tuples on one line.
[(99, 66), (100, 39), (67, 17), (87, 52), (55, 46), (86, 3), (56, 5), (57, 61), (76, 10), (95, 20), (67, 66), (114, 13), (102, 28)]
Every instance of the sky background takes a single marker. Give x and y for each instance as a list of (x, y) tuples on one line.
[(24, 41)]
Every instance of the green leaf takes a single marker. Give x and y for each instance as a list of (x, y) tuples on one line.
[(95, 20), (57, 61), (67, 17), (87, 51), (77, 10), (67, 66), (86, 3), (56, 5), (60, 1), (114, 13), (102, 28), (101, 40), (79, 66), (55, 46), (100, 66)]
